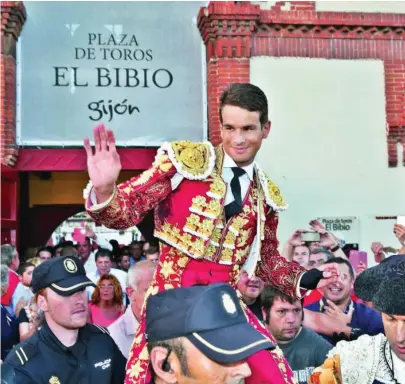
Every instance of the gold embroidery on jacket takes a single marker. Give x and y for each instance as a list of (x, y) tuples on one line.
[(194, 157)]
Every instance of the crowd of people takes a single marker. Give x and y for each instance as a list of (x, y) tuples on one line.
[(306, 330), (210, 300)]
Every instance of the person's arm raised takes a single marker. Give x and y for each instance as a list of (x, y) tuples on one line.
[(125, 205), (104, 164)]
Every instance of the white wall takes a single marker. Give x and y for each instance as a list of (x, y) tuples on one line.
[(327, 148), (361, 6), (346, 6)]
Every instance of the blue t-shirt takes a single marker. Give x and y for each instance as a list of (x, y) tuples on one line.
[(365, 318)]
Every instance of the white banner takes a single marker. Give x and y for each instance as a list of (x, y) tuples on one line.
[(346, 226), (138, 67)]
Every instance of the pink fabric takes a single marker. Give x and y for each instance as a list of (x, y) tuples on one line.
[(98, 318)]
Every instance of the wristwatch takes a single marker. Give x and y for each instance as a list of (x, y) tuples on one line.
[(335, 248)]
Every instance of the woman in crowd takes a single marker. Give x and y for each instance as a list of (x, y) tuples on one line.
[(106, 302)]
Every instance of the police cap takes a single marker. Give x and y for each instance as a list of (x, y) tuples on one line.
[(211, 317), (64, 275)]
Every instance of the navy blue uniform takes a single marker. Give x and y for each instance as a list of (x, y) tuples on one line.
[(43, 359), (9, 332)]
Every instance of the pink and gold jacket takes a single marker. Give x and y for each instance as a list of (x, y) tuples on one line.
[(190, 218)]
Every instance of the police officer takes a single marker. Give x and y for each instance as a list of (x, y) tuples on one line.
[(200, 334), (65, 350)]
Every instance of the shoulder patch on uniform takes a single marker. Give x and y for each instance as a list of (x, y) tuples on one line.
[(272, 193), (194, 161), (21, 353), (98, 329)]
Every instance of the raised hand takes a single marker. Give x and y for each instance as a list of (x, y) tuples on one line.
[(327, 240), (104, 164), (330, 274), (332, 310), (377, 249), (399, 231), (296, 239), (317, 226), (360, 268)]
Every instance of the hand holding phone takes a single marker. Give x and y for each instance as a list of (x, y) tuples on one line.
[(358, 259), (310, 237)]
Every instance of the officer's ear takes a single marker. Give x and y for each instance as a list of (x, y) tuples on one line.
[(164, 368), (42, 302)]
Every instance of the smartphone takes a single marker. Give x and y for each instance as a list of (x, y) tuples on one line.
[(310, 237), (401, 220), (356, 257)]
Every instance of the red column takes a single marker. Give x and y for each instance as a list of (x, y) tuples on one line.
[(226, 29), (12, 19)]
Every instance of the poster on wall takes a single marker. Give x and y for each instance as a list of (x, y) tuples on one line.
[(137, 67), (348, 227)]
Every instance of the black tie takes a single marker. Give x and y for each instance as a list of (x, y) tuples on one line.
[(236, 206)]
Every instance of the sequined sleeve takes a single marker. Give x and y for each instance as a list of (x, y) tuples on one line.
[(274, 269), (133, 199)]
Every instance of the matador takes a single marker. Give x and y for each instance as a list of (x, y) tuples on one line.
[(215, 212)]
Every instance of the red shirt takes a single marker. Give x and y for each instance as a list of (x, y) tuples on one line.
[(314, 296), (13, 281)]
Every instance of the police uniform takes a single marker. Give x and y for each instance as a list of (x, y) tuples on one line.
[(94, 358)]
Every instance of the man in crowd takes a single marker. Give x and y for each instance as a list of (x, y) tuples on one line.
[(301, 255), (45, 253), (251, 289), (295, 247), (124, 329), (86, 255), (200, 334), (303, 348), (104, 259), (65, 349), (152, 253), (319, 256), (136, 249), (10, 258), (124, 262), (216, 212), (378, 359), (364, 320)]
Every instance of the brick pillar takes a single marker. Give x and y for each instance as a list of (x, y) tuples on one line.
[(226, 29), (395, 105), (12, 20)]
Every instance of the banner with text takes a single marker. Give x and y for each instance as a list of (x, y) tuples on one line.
[(346, 226), (135, 66)]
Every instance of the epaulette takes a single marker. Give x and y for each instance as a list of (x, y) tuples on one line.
[(272, 193), (97, 329), (194, 161), (21, 354)]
